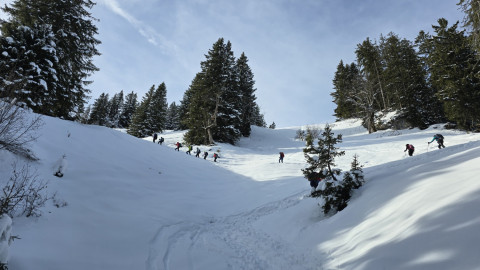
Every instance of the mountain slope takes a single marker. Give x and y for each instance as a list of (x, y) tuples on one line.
[(133, 204)]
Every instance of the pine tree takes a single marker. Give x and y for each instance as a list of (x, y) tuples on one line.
[(75, 46), (139, 124), (27, 67), (258, 118), (173, 117), (157, 109), (406, 82), (128, 110), (371, 66), (85, 116), (115, 107), (472, 21), (321, 158), (150, 115), (99, 113), (453, 66), (211, 105), (247, 90), (346, 85)]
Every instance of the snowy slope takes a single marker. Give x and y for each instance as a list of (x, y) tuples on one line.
[(132, 204)]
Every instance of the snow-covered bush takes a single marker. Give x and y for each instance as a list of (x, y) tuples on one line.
[(337, 195)]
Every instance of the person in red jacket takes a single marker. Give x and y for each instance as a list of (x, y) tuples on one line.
[(282, 155), (410, 149)]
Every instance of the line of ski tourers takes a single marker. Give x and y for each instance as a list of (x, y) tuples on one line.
[(409, 147), (436, 137), (190, 148)]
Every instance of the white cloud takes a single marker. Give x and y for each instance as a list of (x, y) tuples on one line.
[(150, 34)]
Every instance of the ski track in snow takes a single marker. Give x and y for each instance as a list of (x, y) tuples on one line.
[(233, 238)]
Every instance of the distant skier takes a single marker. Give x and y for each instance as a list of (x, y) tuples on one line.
[(178, 146), (439, 139), (197, 152), (161, 140), (282, 155), (410, 149), (155, 136), (215, 156), (189, 151), (205, 155)]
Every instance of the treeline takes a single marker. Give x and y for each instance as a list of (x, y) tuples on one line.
[(430, 80), (219, 105), (46, 56), (141, 119)]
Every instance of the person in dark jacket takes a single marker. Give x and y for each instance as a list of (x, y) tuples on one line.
[(197, 152), (439, 139), (282, 155), (161, 140), (155, 136), (410, 149), (205, 155)]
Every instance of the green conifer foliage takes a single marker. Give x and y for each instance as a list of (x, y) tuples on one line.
[(74, 45)]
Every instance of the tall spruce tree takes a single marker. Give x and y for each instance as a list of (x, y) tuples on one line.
[(452, 67), (128, 110), (173, 117), (157, 109), (472, 21), (150, 115), (75, 46), (346, 83), (99, 113), (27, 70), (258, 118), (406, 82), (246, 86), (214, 102), (115, 107)]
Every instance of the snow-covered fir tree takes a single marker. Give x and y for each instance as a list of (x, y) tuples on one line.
[(173, 117), (246, 86), (128, 110), (114, 109), (74, 45), (27, 66), (150, 115), (99, 112), (213, 106)]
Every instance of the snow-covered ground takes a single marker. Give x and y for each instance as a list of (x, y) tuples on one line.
[(132, 204)]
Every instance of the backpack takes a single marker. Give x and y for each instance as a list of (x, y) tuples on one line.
[(179, 145), (282, 154), (439, 136)]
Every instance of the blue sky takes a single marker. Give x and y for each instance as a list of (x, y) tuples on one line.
[(293, 46)]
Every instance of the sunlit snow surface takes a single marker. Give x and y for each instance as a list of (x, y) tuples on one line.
[(133, 204)]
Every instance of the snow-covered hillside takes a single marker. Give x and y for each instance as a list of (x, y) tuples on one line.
[(132, 204)]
